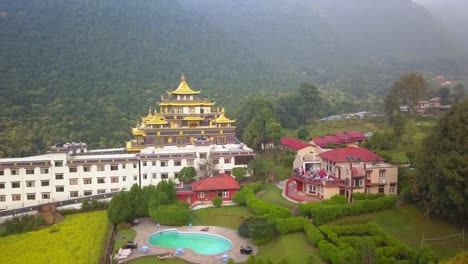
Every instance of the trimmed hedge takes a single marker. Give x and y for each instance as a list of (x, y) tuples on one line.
[(241, 196), (290, 225), (313, 233), (260, 207), (323, 213), (246, 196), (367, 196), (170, 215), (260, 229), (304, 208), (369, 241)]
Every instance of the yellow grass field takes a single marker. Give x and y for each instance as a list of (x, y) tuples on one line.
[(78, 239)]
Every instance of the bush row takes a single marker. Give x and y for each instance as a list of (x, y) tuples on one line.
[(87, 205), (246, 196), (290, 225), (323, 213), (21, 224), (313, 233), (367, 196), (304, 208), (354, 243)]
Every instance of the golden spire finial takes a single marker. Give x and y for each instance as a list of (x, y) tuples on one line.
[(222, 110), (149, 111), (182, 78)]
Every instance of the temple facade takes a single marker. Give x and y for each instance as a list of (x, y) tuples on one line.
[(184, 130)]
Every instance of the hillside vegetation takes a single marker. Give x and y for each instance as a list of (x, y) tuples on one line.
[(85, 70)]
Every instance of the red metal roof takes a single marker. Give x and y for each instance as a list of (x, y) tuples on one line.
[(356, 135), (293, 143), (320, 142), (220, 182), (332, 139), (350, 154), (344, 138)]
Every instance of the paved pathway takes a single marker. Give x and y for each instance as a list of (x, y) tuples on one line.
[(147, 227)]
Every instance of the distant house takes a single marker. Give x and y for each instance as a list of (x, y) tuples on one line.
[(433, 104), (306, 153), (223, 185), (350, 137)]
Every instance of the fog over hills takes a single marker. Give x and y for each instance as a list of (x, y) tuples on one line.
[(454, 13)]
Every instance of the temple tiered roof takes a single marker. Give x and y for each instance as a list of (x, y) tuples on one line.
[(184, 88)]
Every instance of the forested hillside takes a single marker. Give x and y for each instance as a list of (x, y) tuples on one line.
[(85, 70)]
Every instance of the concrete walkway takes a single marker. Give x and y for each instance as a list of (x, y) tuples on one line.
[(147, 227)]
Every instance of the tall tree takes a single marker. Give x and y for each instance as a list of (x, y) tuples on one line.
[(411, 88), (187, 174), (441, 181), (309, 103), (257, 131)]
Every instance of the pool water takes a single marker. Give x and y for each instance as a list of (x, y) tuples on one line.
[(201, 243)]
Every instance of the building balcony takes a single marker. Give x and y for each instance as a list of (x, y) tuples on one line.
[(329, 181)]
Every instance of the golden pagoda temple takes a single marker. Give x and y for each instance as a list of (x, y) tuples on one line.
[(183, 119)]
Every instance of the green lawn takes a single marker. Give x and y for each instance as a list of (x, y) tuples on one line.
[(226, 216), (273, 195), (123, 236), (293, 247), (339, 126), (408, 224), (80, 238), (154, 260)]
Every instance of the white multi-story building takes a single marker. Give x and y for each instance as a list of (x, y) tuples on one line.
[(164, 144)]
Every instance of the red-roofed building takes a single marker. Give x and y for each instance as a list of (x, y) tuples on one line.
[(332, 139), (343, 171), (320, 142), (344, 138), (356, 136), (350, 154), (223, 185), (293, 143)]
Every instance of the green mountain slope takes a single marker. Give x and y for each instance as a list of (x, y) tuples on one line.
[(84, 70)]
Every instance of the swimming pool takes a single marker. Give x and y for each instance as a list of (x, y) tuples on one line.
[(201, 243)]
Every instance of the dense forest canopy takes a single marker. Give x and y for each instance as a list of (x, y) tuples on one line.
[(85, 70)]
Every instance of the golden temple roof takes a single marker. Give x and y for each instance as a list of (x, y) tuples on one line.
[(184, 88), (148, 117), (137, 132), (186, 103), (222, 119), (194, 118), (157, 120)]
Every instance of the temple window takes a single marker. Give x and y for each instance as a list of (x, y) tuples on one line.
[(30, 171), (114, 167), (181, 141), (164, 163), (221, 140), (158, 142)]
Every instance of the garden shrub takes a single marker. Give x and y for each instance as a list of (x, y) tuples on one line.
[(217, 201), (290, 225), (122, 226), (367, 196), (260, 207), (323, 213), (329, 251), (170, 215), (370, 244), (259, 229), (304, 208), (313, 233), (21, 224), (241, 196)]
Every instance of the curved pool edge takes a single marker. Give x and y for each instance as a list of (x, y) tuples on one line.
[(190, 232)]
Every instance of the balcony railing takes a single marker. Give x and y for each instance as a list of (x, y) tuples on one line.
[(330, 181)]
